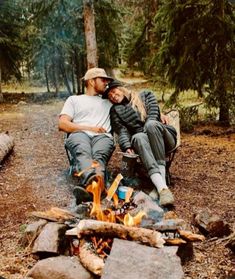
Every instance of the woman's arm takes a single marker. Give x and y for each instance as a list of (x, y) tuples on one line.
[(151, 105), (124, 136)]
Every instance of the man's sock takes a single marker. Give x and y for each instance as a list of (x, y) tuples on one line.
[(162, 169), (158, 181)]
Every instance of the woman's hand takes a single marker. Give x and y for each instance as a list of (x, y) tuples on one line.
[(164, 119), (130, 151)]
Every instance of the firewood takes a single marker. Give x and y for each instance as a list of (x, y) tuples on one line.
[(54, 214), (90, 260), (174, 241), (6, 145), (146, 236), (166, 225), (189, 236)]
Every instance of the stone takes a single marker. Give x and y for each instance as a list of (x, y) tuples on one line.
[(60, 267), (51, 240), (130, 260), (152, 209), (31, 232)]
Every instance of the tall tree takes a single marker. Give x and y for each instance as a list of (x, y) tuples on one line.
[(90, 34), (197, 48), (10, 42)]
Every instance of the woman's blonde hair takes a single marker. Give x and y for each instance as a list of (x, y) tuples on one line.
[(135, 100)]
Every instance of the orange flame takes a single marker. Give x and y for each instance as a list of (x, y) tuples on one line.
[(107, 214), (93, 165), (133, 221)]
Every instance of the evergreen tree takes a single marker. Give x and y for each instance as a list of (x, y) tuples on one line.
[(10, 43), (198, 48)]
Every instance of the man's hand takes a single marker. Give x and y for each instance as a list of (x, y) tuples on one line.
[(99, 130)]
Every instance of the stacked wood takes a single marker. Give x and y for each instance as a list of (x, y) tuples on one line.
[(54, 214), (90, 260), (93, 227), (6, 145)]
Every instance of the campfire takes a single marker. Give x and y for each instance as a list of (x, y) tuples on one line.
[(131, 217)]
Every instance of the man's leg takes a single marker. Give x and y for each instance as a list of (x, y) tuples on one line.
[(102, 149), (79, 145)]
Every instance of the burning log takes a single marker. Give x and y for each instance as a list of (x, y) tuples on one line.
[(6, 145), (146, 236), (90, 260)]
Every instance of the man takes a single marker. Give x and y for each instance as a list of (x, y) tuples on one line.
[(85, 118)]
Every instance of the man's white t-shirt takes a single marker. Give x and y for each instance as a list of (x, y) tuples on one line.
[(90, 111)]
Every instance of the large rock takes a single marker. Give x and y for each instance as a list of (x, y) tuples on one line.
[(51, 240), (130, 260), (61, 267)]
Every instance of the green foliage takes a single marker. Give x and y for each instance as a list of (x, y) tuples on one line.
[(197, 47), (140, 42), (108, 32), (10, 41)]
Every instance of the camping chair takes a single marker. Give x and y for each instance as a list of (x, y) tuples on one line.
[(174, 121)]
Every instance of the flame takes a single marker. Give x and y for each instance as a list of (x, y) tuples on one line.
[(94, 164), (107, 214), (96, 189), (133, 221)]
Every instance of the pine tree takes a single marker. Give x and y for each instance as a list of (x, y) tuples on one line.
[(197, 48)]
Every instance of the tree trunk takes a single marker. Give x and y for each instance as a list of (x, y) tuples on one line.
[(90, 33), (63, 72), (0, 81), (54, 75), (72, 77), (46, 77), (77, 63), (224, 110)]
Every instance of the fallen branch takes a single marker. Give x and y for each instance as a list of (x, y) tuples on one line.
[(189, 236), (146, 236)]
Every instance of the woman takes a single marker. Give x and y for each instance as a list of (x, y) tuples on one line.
[(141, 129)]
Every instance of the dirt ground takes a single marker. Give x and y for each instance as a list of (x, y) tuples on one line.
[(34, 177)]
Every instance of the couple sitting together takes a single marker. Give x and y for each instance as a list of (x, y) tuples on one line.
[(108, 106)]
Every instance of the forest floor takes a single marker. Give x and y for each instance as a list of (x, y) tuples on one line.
[(34, 177)]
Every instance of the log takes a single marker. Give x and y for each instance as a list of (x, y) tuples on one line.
[(175, 241), (146, 236), (54, 214), (6, 145), (189, 236), (166, 225), (90, 260)]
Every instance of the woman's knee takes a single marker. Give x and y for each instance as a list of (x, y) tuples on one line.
[(137, 138), (153, 125)]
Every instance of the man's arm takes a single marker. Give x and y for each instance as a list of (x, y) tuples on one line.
[(66, 125)]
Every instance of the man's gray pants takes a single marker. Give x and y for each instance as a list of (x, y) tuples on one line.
[(153, 144), (85, 149)]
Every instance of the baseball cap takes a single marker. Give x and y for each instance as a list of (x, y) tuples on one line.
[(112, 84), (96, 73)]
